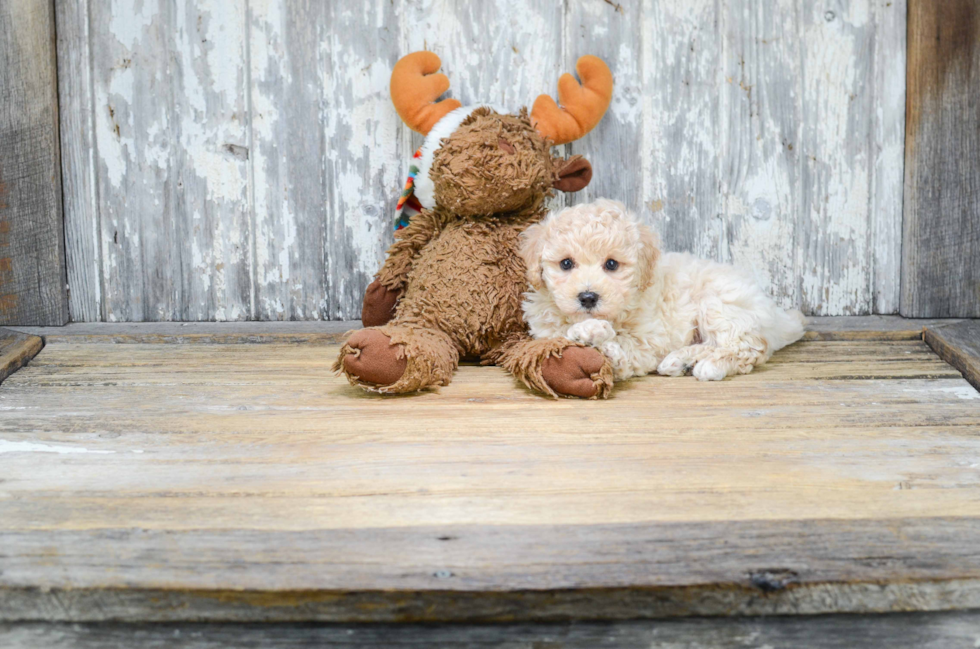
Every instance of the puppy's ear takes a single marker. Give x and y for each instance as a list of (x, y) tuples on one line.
[(649, 255), (532, 246)]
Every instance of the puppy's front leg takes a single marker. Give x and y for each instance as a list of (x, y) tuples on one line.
[(601, 335), (617, 358), (592, 332), (630, 356)]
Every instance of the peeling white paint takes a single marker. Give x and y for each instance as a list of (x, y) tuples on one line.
[(7, 446), (129, 18), (768, 134), (963, 392)]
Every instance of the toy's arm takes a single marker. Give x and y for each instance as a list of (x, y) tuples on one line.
[(408, 242), (381, 296), (554, 366)]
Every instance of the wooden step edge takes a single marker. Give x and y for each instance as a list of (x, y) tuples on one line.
[(872, 327), (959, 345), (16, 350), (455, 606), (950, 630)]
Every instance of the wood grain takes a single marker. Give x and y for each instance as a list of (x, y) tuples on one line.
[(170, 131), (321, 201), (888, 152), (871, 327), (215, 333), (32, 253), (83, 236), (769, 134), (818, 328), (16, 350), (244, 482), (958, 345), (899, 631), (941, 242), (496, 573)]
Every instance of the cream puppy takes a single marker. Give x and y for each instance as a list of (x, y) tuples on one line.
[(598, 278)]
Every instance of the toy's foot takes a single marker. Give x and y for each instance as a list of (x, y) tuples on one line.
[(370, 357), (578, 372), (379, 304), (397, 359)]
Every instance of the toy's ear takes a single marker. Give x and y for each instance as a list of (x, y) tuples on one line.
[(649, 255), (573, 174), (532, 246)]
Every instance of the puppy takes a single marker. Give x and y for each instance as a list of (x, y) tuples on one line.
[(598, 278)]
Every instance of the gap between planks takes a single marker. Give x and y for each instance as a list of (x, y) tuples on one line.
[(321, 332)]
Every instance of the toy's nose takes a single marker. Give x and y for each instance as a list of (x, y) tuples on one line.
[(588, 299)]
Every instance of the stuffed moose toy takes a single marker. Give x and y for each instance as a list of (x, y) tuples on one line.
[(452, 283)]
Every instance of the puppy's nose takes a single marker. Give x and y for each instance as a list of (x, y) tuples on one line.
[(588, 299)]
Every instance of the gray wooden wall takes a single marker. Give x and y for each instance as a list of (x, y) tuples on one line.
[(941, 243), (240, 159), (32, 254)]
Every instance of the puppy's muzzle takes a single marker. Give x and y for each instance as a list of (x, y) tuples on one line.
[(588, 299)]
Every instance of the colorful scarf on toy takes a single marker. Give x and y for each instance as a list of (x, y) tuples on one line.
[(408, 205)]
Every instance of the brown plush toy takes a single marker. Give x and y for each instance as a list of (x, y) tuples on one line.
[(452, 283)]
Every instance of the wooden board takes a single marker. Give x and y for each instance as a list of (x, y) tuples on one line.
[(217, 333), (16, 350), (818, 328), (904, 631), (32, 252), (958, 345), (244, 482), (871, 327), (941, 243), (769, 134)]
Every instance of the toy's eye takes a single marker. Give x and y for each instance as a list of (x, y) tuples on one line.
[(612, 264), (566, 264)]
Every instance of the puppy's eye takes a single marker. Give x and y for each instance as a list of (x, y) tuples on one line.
[(612, 264), (566, 264)]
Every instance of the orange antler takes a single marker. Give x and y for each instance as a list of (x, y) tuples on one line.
[(582, 105), (414, 89)]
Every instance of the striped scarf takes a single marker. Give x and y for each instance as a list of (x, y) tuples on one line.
[(408, 205)]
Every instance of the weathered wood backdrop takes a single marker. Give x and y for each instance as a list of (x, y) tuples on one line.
[(32, 254), (941, 243), (240, 159)]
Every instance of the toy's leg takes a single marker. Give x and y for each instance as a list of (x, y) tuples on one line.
[(396, 358), (379, 304), (555, 366)]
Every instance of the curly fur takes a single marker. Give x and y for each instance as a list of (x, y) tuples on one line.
[(669, 313), (474, 173)]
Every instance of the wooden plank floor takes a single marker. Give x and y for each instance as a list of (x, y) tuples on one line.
[(244, 482)]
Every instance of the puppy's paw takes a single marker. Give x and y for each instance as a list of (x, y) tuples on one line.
[(614, 353), (709, 370), (673, 365), (593, 332)]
